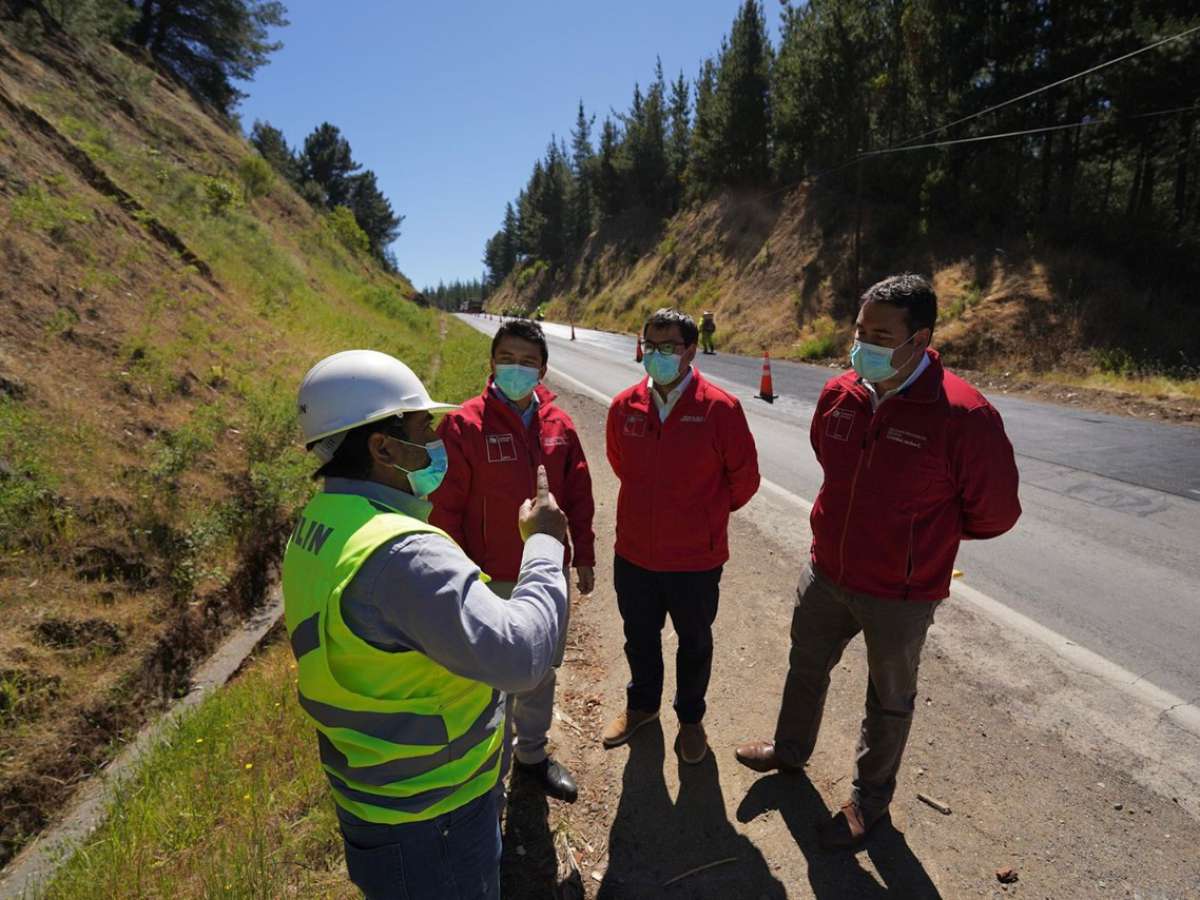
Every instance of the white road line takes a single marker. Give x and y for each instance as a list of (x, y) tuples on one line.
[(1183, 713)]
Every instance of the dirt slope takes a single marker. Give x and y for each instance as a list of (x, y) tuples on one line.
[(154, 321), (779, 270), (1001, 735)]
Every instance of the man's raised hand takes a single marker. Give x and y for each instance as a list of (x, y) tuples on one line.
[(540, 514)]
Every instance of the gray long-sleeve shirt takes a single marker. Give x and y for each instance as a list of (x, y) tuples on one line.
[(421, 592)]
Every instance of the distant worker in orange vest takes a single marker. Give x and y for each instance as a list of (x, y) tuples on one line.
[(708, 328)]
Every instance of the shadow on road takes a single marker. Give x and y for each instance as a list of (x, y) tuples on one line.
[(839, 875), (653, 840)]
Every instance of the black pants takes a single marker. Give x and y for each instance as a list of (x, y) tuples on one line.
[(645, 598)]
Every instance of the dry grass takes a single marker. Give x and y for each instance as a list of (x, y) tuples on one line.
[(1152, 387)]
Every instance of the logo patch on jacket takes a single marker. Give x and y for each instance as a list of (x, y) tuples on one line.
[(692, 419), (900, 436), (556, 441), (501, 448), (839, 423), (635, 426)]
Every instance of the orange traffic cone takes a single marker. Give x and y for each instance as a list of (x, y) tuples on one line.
[(766, 390), (638, 356)]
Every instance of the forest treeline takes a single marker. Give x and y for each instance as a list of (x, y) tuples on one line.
[(878, 80), (455, 295)]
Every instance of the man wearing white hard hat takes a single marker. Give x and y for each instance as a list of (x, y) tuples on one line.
[(404, 653)]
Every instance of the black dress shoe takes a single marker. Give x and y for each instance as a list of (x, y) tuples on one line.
[(554, 778)]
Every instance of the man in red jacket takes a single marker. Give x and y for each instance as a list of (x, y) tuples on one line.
[(915, 459), (684, 455), (494, 445)]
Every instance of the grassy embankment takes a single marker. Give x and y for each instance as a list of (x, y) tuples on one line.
[(160, 302), (233, 802)]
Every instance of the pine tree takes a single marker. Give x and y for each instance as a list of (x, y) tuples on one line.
[(273, 147), (209, 44), (326, 161), (510, 241), (643, 147), (529, 211), (679, 138), (609, 192), (702, 158), (493, 258), (552, 240), (742, 108), (583, 174), (373, 212)]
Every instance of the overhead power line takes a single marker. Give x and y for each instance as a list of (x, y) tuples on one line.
[(1087, 123), (905, 144), (816, 175), (1096, 68)]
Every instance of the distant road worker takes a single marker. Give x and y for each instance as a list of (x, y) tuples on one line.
[(708, 327), (685, 457), (495, 443), (404, 653), (915, 460)]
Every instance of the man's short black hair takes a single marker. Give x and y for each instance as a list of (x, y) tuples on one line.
[(667, 317), (526, 331), (352, 459), (911, 293)]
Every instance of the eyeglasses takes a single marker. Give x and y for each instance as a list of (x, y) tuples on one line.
[(666, 348)]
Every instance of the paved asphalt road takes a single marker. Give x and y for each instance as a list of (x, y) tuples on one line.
[(1107, 552)]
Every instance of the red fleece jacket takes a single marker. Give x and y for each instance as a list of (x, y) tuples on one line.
[(904, 484), (679, 479), (493, 460)]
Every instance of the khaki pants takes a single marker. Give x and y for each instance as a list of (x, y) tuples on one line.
[(529, 714), (825, 620)]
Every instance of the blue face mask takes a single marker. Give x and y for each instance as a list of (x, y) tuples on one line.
[(872, 362), (517, 382), (663, 369), (427, 480)]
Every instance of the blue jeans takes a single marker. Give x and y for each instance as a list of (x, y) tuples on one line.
[(455, 856)]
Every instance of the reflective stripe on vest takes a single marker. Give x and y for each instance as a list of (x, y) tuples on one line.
[(401, 738)]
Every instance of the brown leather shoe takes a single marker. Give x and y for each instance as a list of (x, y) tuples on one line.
[(760, 756), (848, 829), (693, 743), (621, 728)]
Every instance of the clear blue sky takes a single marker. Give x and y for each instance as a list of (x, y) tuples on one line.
[(450, 104)]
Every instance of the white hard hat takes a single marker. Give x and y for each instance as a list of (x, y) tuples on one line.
[(356, 387)]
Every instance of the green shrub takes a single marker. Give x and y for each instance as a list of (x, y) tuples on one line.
[(1115, 361), (93, 20), (40, 209), (219, 196), (256, 176), (345, 228), (530, 271), (961, 304), (826, 341)]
